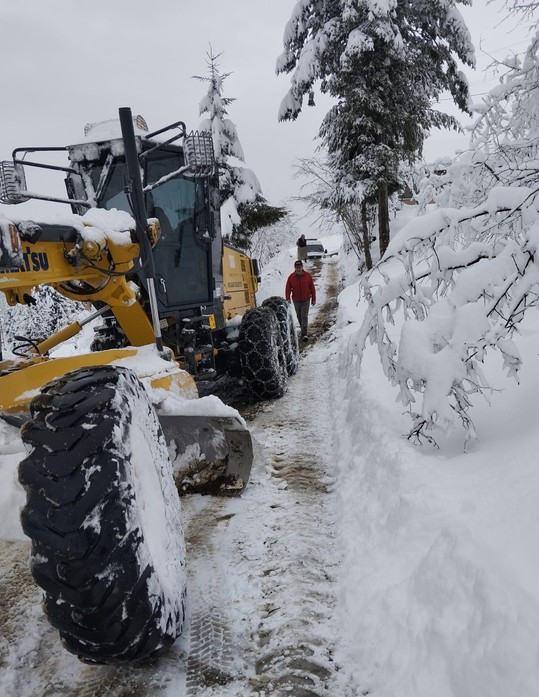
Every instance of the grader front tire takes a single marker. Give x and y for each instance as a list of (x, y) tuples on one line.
[(103, 515)]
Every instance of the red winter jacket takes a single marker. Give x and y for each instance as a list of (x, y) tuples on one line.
[(300, 286)]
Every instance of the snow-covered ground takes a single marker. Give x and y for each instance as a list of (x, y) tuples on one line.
[(439, 584), (403, 570)]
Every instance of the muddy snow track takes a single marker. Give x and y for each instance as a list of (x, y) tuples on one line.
[(260, 610), (294, 632)]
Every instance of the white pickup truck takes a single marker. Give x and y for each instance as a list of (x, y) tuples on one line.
[(315, 249)]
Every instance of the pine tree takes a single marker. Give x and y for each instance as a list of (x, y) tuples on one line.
[(243, 207), (384, 64)]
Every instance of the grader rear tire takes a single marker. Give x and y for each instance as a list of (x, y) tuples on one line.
[(103, 515), (283, 312), (262, 354)]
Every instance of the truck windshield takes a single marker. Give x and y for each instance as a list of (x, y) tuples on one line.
[(181, 256)]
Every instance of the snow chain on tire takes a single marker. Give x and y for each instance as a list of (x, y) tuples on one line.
[(103, 515), (283, 312), (262, 354)]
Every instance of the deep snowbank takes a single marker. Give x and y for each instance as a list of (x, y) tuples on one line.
[(439, 587)]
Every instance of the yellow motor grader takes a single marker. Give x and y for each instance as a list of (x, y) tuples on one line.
[(113, 434)]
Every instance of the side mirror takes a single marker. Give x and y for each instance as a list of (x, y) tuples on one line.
[(12, 183)]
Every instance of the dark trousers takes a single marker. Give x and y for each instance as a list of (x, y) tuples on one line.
[(302, 313)]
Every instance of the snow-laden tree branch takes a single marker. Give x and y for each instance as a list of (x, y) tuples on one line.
[(337, 203), (460, 279), (459, 299)]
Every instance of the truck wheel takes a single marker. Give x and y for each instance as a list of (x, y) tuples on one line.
[(283, 312), (261, 354), (103, 515)]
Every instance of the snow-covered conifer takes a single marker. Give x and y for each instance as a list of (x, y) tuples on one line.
[(243, 207), (384, 63)]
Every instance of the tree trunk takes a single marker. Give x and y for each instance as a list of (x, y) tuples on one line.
[(365, 232), (383, 218)]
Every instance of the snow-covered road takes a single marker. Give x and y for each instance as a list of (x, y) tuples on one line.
[(271, 555), (261, 592)]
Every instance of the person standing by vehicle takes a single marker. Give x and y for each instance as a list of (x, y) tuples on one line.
[(300, 287), (301, 244)]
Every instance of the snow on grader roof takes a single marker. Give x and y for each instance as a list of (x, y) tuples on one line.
[(110, 129)]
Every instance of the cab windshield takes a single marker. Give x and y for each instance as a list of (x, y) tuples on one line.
[(182, 254)]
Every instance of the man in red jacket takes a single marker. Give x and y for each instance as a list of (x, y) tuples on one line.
[(300, 287)]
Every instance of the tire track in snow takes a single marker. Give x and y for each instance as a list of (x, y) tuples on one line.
[(27, 662), (212, 664), (294, 634)]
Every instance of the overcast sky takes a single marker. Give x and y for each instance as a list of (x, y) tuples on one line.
[(67, 62)]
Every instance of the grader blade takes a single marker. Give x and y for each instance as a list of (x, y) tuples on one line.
[(210, 454)]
